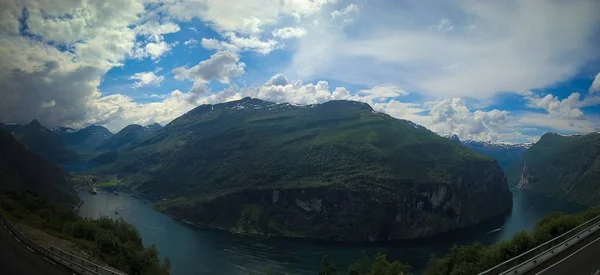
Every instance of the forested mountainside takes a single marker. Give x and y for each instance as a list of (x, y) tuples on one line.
[(69, 147), (565, 167), (337, 171), (35, 192), (21, 170)]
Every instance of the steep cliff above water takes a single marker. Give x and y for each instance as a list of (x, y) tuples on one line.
[(337, 171), (564, 167)]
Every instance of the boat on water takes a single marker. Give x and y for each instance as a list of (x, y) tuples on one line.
[(93, 190), (115, 192), (116, 212)]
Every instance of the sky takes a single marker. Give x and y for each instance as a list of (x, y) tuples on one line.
[(505, 71)]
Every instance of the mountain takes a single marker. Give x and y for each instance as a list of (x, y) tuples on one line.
[(10, 127), (565, 167), (87, 138), (505, 153), (23, 170), (337, 171), (62, 131), (128, 135), (42, 141)]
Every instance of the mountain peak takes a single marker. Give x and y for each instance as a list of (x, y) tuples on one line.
[(35, 123)]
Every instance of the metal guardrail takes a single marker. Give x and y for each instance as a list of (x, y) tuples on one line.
[(71, 261), (532, 253)]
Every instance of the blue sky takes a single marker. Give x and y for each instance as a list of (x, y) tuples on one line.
[(496, 71)]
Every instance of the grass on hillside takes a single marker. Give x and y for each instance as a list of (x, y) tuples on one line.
[(107, 183)]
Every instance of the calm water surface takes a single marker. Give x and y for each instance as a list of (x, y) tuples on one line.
[(195, 250)]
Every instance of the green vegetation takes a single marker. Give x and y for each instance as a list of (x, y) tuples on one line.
[(565, 167), (116, 243), (21, 170), (475, 258), (108, 183), (379, 265), (34, 192), (214, 152)]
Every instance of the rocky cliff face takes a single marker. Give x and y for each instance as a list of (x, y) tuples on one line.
[(564, 167), (350, 216), (337, 171)]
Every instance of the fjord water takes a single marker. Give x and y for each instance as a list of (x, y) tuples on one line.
[(194, 250)]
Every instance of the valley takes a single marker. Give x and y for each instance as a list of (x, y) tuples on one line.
[(331, 174)]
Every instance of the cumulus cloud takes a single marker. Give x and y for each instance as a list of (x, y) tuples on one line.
[(55, 76), (567, 108), (289, 32), (221, 66), (146, 78), (251, 43), (155, 31), (237, 44), (452, 116), (214, 44), (595, 87), (154, 50)]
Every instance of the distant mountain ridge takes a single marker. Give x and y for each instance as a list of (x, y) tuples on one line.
[(504, 152), (65, 145), (337, 170), (128, 135)]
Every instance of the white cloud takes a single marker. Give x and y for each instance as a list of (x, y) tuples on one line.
[(516, 46), (346, 15), (567, 108), (595, 87), (566, 114), (237, 44), (191, 42), (55, 76), (289, 32), (221, 66), (147, 78), (154, 50), (451, 116), (214, 44), (445, 25), (246, 16), (155, 31), (383, 92), (251, 43)]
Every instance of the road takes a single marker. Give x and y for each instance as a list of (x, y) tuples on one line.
[(582, 258), (17, 259)]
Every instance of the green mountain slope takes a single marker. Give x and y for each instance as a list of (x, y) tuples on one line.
[(44, 142), (128, 135), (337, 171), (23, 170), (88, 138), (566, 167)]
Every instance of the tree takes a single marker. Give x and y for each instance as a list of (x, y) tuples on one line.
[(327, 268)]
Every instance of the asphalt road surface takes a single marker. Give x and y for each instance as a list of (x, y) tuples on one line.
[(17, 259), (581, 259)]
